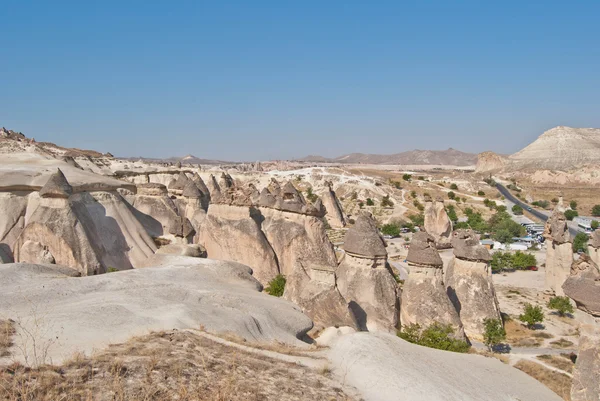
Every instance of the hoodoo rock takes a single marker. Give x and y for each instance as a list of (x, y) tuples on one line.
[(226, 181), (559, 254), (469, 283), (437, 223), (334, 212), (583, 285), (364, 278), (179, 184), (424, 297), (203, 188), (213, 188), (57, 186), (156, 210)]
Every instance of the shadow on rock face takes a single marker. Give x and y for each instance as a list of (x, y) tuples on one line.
[(360, 316)]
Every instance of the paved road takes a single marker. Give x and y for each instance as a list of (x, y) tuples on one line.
[(540, 215)]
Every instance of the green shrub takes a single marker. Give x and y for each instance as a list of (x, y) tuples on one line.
[(501, 261), (573, 205), (596, 210), (561, 304), (494, 332), (570, 214), (390, 229), (417, 219), (516, 209), (580, 242), (386, 201), (522, 260), (406, 177), (437, 335), (480, 193), (310, 195), (532, 315), (451, 195), (413, 194), (370, 202), (594, 224), (454, 186), (111, 270), (418, 205), (276, 286), (450, 210)]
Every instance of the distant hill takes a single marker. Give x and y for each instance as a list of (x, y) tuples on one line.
[(560, 148), (449, 157), (188, 159)]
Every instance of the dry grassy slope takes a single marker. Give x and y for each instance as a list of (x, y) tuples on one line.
[(169, 365)]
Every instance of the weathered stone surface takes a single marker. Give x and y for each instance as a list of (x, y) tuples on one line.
[(232, 233), (151, 189), (363, 238), (5, 254), (470, 287), (57, 186), (437, 223), (179, 184), (583, 285), (334, 212), (466, 246), (191, 191), (226, 181), (214, 189), (288, 199), (181, 227), (422, 251), (586, 375), (559, 254), (424, 297), (195, 251), (156, 213), (34, 252)]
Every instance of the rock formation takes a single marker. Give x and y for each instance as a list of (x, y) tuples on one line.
[(437, 223), (559, 254), (364, 278), (213, 188), (335, 213), (156, 210), (489, 161), (177, 186), (424, 297), (594, 247), (57, 187), (469, 283), (582, 286)]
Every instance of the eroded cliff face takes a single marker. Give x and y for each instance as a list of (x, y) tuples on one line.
[(437, 223)]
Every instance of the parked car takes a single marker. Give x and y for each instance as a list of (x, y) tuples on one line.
[(534, 268)]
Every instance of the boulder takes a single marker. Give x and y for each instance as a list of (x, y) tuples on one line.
[(334, 212), (583, 285), (35, 252), (424, 298), (57, 186), (469, 283), (437, 223), (364, 278), (559, 253)]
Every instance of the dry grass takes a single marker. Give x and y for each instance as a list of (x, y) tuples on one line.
[(559, 362), (561, 343), (501, 357), (7, 331), (518, 335), (275, 346), (168, 366), (555, 381)]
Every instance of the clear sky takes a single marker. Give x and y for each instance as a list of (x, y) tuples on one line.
[(255, 80)]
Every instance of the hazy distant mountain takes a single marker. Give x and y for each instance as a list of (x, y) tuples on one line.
[(560, 148), (188, 159), (449, 157)]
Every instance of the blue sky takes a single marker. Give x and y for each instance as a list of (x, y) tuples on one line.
[(274, 79)]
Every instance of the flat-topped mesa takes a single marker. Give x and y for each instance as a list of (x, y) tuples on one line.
[(57, 186), (363, 239), (423, 252), (469, 285), (467, 246), (437, 223), (559, 253), (594, 247), (289, 199), (424, 298), (334, 211), (364, 278)]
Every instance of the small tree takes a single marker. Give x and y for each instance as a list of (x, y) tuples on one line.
[(596, 210), (454, 187), (501, 261), (532, 315), (594, 224), (573, 205), (570, 214), (406, 177), (386, 201), (516, 209), (480, 193), (580, 242), (561, 304), (494, 332), (390, 229), (370, 202), (276, 286), (451, 195)]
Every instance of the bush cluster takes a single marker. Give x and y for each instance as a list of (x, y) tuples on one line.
[(509, 261), (437, 335)]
